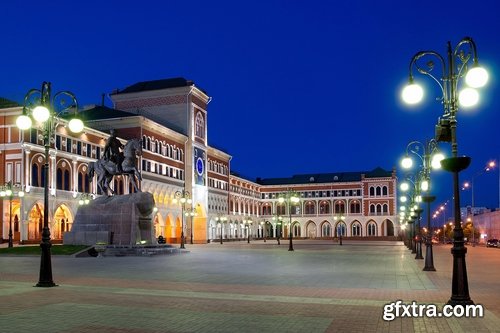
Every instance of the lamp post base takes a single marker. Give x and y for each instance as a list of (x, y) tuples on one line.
[(45, 279), (418, 246), (429, 259), (459, 282)]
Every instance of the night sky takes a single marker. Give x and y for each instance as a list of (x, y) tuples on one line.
[(297, 86)]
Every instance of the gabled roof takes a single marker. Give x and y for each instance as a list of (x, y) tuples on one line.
[(6, 103), (156, 85), (100, 112), (336, 177)]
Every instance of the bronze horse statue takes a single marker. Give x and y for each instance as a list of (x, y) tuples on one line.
[(106, 169)]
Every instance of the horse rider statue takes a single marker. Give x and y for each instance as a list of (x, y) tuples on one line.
[(112, 151)]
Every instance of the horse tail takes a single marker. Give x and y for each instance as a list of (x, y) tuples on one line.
[(91, 171)]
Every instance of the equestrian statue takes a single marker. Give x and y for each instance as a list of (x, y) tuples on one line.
[(116, 162)]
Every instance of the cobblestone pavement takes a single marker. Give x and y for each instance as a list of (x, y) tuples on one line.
[(240, 287)]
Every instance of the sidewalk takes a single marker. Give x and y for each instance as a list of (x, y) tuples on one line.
[(240, 287)]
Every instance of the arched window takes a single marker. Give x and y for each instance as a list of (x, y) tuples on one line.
[(326, 230), (378, 191), (144, 142), (200, 125), (372, 229), (339, 207), (372, 209), (296, 230), (310, 208), (35, 176), (281, 209), (356, 229), (66, 180), (324, 207), (372, 191), (384, 190), (379, 209), (59, 182), (385, 208), (355, 207), (341, 229)]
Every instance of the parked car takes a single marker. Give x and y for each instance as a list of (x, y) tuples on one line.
[(492, 242)]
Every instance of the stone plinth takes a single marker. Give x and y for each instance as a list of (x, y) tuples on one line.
[(120, 220)]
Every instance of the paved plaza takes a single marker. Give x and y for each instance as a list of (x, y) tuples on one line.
[(240, 287)]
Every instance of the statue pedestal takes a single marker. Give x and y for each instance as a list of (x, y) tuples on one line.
[(119, 220)]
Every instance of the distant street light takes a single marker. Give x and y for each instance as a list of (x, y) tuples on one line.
[(221, 220), (292, 198), (184, 198), (8, 190), (470, 185)]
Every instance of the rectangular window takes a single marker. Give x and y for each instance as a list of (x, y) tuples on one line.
[(33, 135), (18, 172), (68, 145), (89, 150), (79, 148), (58, 142)]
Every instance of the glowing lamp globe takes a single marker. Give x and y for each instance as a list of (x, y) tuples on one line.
[(477, 77), (468, 97), (406, 163), (404, 186), (75, 125), (41, 114), (436, 161), (424, 186), (23, 122), (412, 93)]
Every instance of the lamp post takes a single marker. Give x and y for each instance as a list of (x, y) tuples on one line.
[(429, 258), (340, 228), (414, 209), (453, 69), (430, 158), (221, 220), (84, 199), (490, 166), (45, 109), (8, 191), (183, 197), (263, 225), (291, 197), (248, 222), (191, 212), (279, 221)]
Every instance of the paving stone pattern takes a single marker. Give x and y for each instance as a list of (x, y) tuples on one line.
[(240, 287)]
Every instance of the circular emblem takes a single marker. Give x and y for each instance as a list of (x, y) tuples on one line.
[(199, 166)]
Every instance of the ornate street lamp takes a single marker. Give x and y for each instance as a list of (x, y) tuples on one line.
[(454, 67), (340, 228), (8, 191), (221, 220), (278, 222), (248, 223), (291, 198), (184, 198), (191, 212), (85, 199), (263, 226), (430, 158), (44, 109)]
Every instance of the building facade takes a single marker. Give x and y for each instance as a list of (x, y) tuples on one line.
[(170, 116)]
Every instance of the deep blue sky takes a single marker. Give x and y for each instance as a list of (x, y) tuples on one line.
[(297, 86)]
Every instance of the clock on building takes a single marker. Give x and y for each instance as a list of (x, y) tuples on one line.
[(199, 157)]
